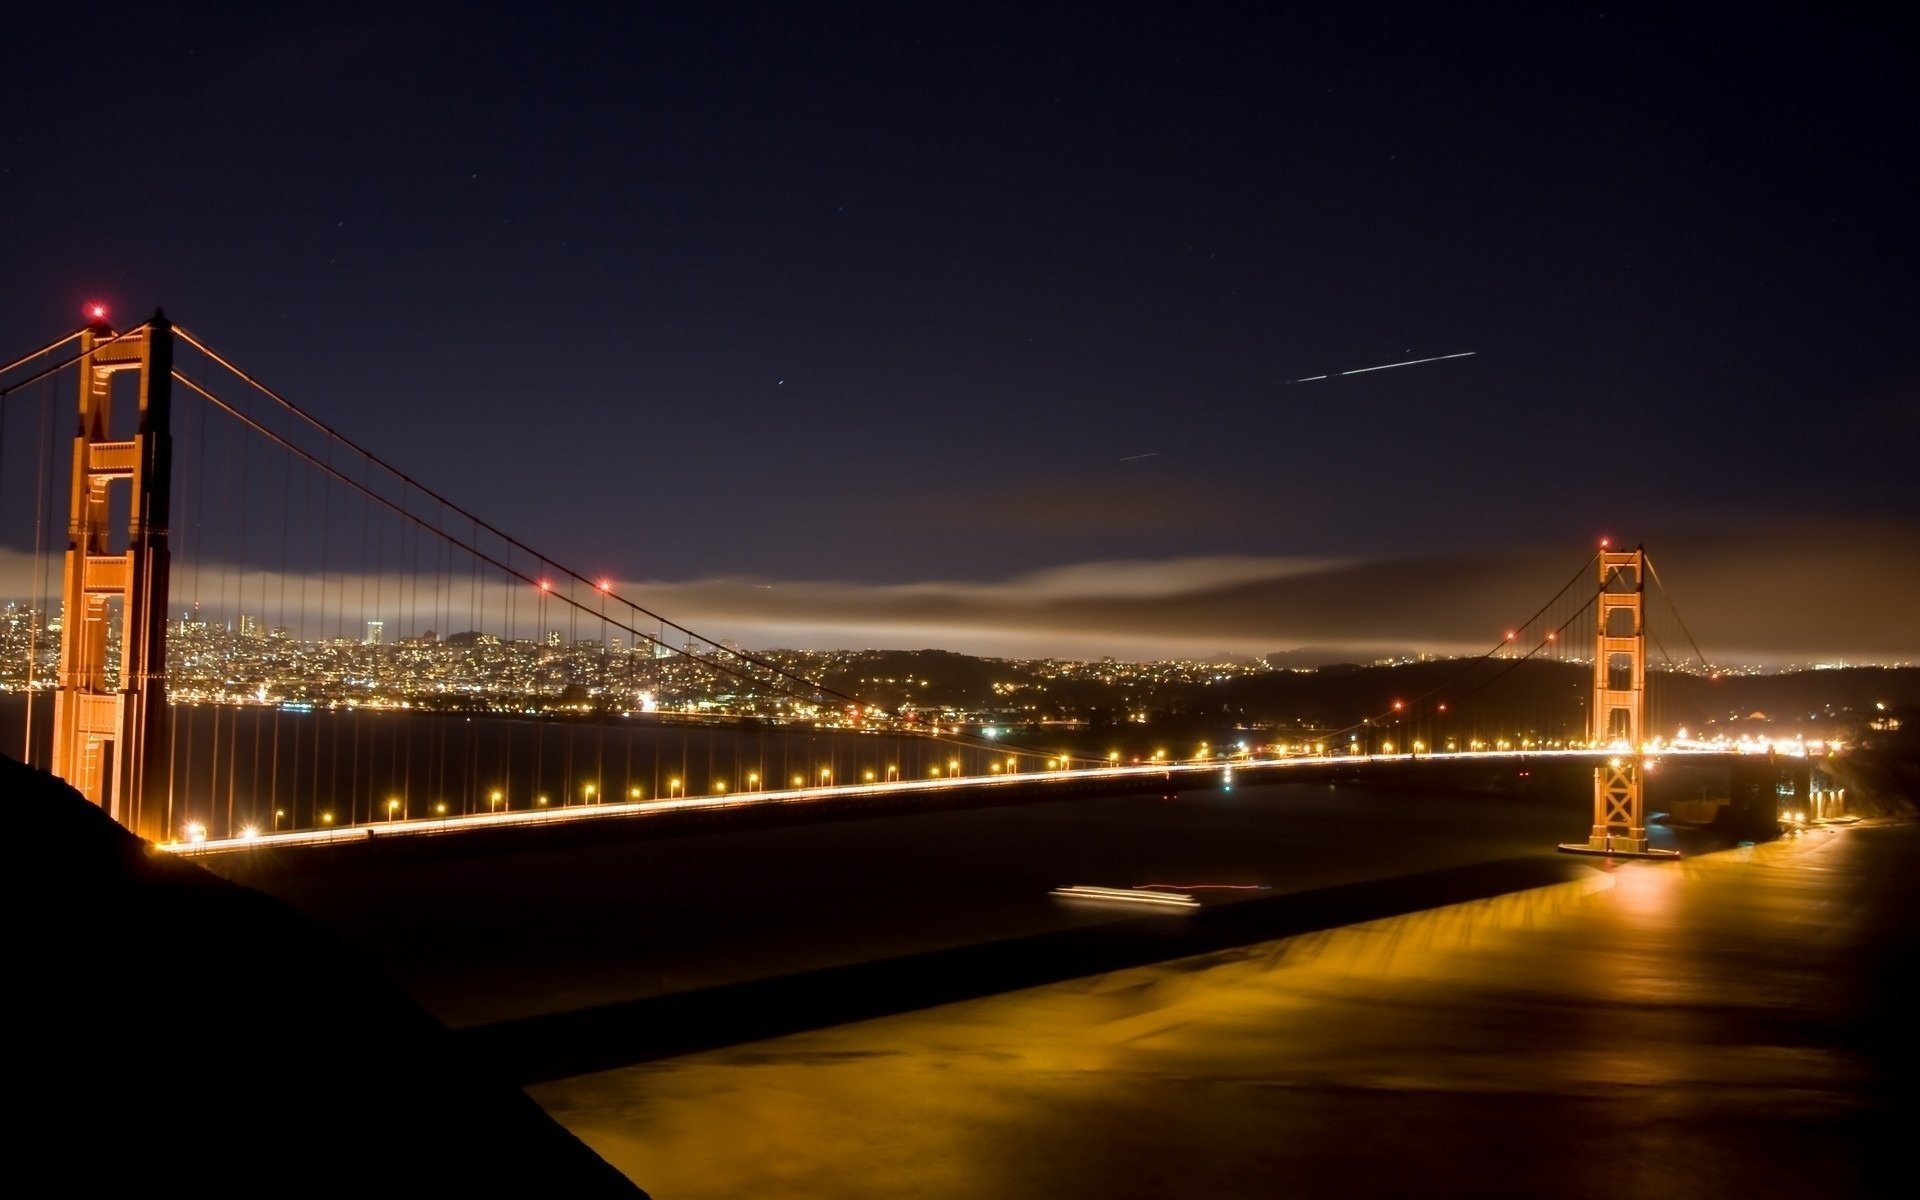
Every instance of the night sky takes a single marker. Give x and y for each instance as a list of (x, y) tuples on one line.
[(904, 306)]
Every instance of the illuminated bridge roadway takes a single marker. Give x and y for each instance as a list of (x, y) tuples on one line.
[(1175, 775)]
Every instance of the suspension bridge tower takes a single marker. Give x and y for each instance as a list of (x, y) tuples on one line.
[(1619, 710), (108, 733)]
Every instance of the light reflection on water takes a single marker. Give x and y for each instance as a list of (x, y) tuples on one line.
[(1675, 1015)]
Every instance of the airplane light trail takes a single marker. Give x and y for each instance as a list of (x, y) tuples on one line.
[(1412, 362)]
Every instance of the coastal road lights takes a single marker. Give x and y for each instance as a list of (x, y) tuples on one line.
[(393, 809), (495, 799), (673, 787), (753, 780)]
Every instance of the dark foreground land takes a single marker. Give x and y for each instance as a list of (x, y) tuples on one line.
[(171, 1033)]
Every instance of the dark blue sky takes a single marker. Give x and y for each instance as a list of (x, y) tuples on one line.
[(885, 293)]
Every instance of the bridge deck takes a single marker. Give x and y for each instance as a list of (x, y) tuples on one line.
[(1183, 775)]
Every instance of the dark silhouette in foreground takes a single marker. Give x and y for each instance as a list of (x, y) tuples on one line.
[(172, 1030)]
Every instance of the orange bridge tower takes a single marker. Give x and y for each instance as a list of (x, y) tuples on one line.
[(108, 732), (1619, 710)]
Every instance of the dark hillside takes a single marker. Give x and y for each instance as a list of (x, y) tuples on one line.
[(173, 1032)]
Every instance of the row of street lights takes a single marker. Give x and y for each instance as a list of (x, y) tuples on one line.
[(396, 807)]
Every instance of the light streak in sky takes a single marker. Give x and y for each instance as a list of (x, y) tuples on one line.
[(1138, 457), (1412, 362)]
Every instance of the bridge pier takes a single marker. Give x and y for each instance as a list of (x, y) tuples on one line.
[(1761, 788)]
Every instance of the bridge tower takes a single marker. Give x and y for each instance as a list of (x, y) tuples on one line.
[(108, 736), (1619, 711), (1620, 702)]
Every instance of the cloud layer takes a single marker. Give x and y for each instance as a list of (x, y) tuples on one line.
[(1796, 594), (1792, 595)]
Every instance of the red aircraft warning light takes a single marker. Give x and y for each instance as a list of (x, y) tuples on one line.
[(96, 313)]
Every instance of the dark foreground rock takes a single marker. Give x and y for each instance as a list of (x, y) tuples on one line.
[(170, 1032)]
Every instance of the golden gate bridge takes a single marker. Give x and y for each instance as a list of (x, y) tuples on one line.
[(256, 630)]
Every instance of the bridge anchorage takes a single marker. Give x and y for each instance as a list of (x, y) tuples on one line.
[(1619, 711)]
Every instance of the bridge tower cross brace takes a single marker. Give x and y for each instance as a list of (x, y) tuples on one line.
[(108, 741), (1620, 703)]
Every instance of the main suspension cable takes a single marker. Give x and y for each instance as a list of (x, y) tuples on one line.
[(478, 553), (509, 539)]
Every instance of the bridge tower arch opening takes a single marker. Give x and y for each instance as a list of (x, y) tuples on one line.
[(109, 727)]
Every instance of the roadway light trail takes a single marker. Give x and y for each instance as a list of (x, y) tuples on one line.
[(1150, 775), (1412, 362)]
